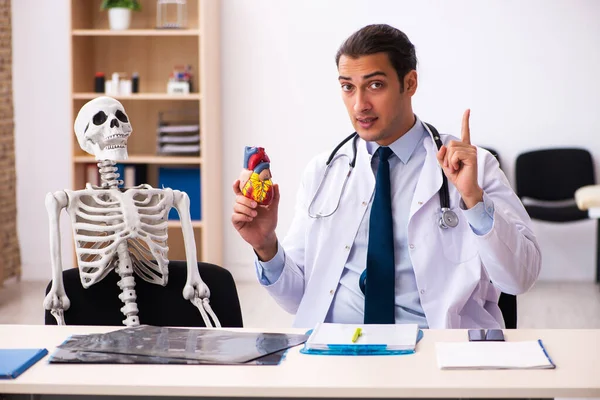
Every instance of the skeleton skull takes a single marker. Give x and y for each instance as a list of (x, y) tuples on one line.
[(102, 128)]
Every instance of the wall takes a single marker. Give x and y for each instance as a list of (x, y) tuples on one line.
[(41, 85), (526, 69)]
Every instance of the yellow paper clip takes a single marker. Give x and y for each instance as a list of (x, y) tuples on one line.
[(357, 333)]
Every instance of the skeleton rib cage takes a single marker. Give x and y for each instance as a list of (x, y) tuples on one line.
[(103, 219), (121, 230)]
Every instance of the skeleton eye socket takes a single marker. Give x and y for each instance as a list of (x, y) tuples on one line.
[(100, 118), (121, 116)]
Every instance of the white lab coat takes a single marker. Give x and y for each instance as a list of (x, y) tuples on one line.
[(454, 267)]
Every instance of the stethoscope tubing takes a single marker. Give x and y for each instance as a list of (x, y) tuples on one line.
[(448, 217), (444, 192)]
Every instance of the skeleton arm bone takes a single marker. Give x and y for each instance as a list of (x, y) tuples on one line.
[(195, 289), (56, 300)]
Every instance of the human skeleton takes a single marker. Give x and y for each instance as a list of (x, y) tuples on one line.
[(119, 229)]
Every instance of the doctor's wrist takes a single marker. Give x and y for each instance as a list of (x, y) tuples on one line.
[(473, 198), (267, 251)]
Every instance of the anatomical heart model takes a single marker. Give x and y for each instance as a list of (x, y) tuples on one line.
[(255, 179), (120, 230)]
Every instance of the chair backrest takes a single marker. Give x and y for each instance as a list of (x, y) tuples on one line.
[(158, 305), (508, 306), (553, 174), (494, 153), (507, 302)]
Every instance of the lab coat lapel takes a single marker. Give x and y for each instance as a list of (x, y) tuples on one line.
[(330, 255), (366, 184), (430, 180)]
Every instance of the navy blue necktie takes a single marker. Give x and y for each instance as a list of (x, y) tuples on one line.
[(381, 269)]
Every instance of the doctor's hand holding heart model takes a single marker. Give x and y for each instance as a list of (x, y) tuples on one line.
[(399, 223)]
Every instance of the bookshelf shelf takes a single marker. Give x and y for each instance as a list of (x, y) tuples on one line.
[(146, 159), (141, 96), (137, 32), (177, 224), (153, 54)]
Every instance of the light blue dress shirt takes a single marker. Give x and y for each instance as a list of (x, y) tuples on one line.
[(405, 167)]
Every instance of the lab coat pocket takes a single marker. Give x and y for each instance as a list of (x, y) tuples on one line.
[(457, 244)]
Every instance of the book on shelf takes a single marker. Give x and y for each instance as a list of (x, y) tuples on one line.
[(178, 133), (134, 175), (178, 129), (185, 179), (92, 175), (180, 139), (180, 149)]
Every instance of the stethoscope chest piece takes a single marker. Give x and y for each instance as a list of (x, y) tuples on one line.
[(362, 281), (449, 219)]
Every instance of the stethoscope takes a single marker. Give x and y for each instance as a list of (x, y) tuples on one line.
[(448, 218)]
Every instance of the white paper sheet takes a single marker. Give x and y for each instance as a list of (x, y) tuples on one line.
[(492, 355)]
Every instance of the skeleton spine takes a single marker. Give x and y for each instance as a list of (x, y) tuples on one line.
[(127, 284), (108, 174)]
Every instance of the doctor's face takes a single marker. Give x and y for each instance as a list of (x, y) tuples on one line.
[(379, 107)]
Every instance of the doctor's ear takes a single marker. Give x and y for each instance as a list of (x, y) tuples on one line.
[(410, 82)]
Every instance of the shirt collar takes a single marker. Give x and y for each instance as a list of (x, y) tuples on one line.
[(404, 146)]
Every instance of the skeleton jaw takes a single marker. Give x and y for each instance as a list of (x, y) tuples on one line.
[(113, 152), (111, 147)]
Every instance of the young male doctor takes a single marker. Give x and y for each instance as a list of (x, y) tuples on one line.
[(382, 256)]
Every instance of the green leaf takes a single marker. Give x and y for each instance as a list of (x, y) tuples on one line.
[(131, 4)]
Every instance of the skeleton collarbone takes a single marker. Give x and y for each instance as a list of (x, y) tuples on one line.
[(105, 219)]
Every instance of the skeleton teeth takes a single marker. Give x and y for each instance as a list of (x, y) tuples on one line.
[(115, 146), (117, 135)]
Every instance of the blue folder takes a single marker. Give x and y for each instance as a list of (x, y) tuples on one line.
[(13, 362), (186, 179)]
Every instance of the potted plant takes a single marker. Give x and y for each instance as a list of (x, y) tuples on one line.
[(119, 12)]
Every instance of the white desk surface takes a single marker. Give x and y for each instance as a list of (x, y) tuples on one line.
[(575, 352)]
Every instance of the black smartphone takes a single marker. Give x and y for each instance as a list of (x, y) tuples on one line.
[(494, 335), (476, 335)]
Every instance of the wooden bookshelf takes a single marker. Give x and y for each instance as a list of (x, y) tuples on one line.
[(146, 159), (153, 53), (142, 96), (177, 224), (137, 32)]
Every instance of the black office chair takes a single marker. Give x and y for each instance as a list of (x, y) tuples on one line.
[(507, 302), (553, 175), (494, 153), (158, 305), (508, 307), (546, 183)]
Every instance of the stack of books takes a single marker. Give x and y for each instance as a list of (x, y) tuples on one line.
[(178, 133), (179, 140)]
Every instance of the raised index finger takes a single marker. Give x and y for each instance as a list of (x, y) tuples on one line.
[(466, 132)]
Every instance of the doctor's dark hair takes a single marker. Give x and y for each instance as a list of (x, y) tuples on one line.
[(381, 38)]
